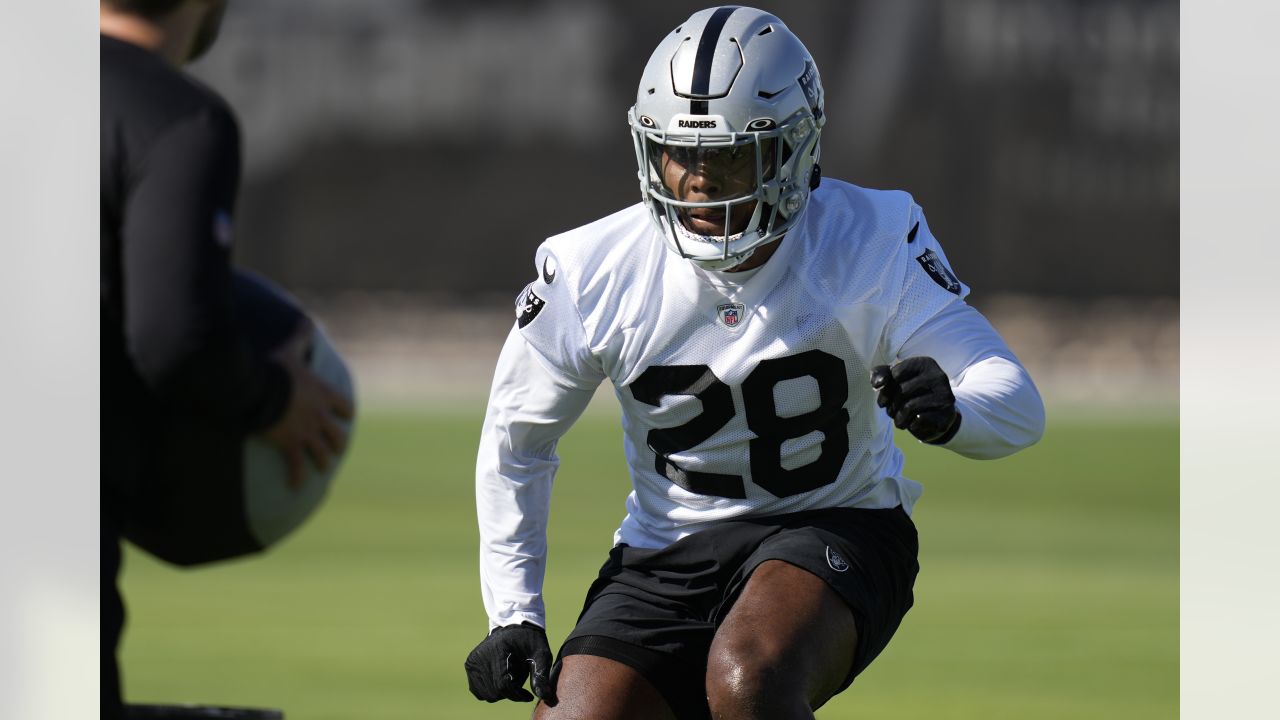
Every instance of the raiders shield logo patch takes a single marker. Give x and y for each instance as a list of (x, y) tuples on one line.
[(528, 306), (836, 562), (809, 84), (940, 273), (730, 313)]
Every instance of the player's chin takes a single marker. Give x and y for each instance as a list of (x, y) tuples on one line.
[(713, 224), (705, 225)]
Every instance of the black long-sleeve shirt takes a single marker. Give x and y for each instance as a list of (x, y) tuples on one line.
[(170, 344)]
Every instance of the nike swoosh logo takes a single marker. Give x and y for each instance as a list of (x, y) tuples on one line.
[(547, 275)]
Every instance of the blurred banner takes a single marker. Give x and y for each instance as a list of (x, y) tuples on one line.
[(428, 146)]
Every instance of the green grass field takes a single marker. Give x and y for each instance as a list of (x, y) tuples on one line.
[(1048, 589)]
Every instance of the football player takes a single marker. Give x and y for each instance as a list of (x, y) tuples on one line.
[(183, 385), (764, 329)]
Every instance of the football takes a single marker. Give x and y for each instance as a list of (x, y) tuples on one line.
[(272, 508), (211, 495)]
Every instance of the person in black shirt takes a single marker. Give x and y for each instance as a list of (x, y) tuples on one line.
[(170, 342)]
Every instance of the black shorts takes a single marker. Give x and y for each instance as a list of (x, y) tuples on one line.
[(657, 610)]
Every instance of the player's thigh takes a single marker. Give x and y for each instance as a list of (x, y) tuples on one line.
[(596, 688), (788, 630)]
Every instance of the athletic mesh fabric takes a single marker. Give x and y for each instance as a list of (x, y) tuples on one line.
[(843, 293)]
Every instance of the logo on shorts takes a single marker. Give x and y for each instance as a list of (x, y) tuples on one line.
[(836, 562), (730, 313)]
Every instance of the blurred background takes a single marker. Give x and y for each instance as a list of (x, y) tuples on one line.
[(404, 158)]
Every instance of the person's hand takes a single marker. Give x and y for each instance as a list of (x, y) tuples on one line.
[(309, 424), (499, 665), (917, 395)]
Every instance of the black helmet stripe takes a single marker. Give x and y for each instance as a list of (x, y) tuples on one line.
[(706, 54)]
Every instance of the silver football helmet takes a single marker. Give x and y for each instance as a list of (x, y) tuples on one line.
[(726, 126)]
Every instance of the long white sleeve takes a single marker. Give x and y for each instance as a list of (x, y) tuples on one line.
[(1000, 408), (530, 409)]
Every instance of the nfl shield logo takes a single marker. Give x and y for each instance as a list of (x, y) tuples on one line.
[(730, 314)]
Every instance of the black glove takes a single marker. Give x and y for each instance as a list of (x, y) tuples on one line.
[(917, 396), (498, 667)]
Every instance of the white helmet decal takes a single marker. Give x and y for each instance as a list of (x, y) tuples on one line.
[(729, 80)]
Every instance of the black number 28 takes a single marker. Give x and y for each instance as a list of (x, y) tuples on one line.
[(830, 418)]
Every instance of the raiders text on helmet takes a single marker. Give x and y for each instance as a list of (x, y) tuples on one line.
[(729, 84)]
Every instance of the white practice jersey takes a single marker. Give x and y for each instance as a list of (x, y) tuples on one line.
[(742, 394)]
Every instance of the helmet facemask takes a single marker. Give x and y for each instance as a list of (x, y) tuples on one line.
[(746, 181), (733, 92)]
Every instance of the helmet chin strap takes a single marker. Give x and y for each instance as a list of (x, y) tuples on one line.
[(718, 263), (687, 234), (722, 263), (739, 260)]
